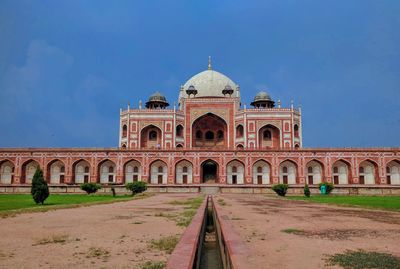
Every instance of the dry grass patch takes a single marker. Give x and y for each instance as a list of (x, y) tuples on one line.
[(54, 239), (166, 244), (152, 265), (97, 252), (361, 259)]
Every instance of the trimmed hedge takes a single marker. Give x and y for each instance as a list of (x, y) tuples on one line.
[(136, 187), (90, 187), (280, 189)]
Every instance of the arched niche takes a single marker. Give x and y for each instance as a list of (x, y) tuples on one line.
[(269, 137), (288, 172), (261, 172), (150, 137), (132, 171), (209, 131), (158, 172), (184, 172), (235, 172)]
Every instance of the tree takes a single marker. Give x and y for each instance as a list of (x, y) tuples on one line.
[(39, 189), (307, 192)]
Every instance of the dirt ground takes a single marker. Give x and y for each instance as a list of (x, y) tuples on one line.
[(102, 236), (317, 230)]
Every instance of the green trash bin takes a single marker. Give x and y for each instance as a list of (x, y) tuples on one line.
[(323, 189)]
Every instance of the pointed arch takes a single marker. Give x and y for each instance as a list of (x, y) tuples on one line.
[(210, 171), (132, 171), (150, 137), (288, 171), (81, 171), (158, 172), (269, 137), (341, 172), (314, 172), (239, 131), (28, 169), (235, 172), (209, 131), (55, 171), (261, 172), (106, 171), (183, 172), (393, 172), (7, 169), (368, 172)]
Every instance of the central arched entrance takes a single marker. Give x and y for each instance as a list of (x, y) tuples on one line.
[(209, 172), (209, 131)]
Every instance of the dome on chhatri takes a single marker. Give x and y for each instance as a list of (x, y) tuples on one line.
[(210, 83), (157, 97), (262, 96)]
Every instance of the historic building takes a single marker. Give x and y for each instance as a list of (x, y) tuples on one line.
[(207, 138)]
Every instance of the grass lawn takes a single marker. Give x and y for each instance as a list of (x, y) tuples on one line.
[(11, 204), (378, 202)]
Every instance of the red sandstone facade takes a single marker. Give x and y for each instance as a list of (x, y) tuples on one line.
[(208, 138)]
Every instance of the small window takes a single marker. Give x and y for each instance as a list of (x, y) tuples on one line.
[(259, 169), (267, 135), (135, 169), (310, 169), (124, 131), (335, 170), (179, 131), (239, 131), (220, 135), (284, 169), (160, 169), (110, 169), (388, 169), (199, 135), (86, 169), (152, 135), (62, 169), (361, 170), (209, 135), (234, 169), (184, 169)]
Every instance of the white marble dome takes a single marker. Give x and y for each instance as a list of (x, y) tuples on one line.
[(209, 83)]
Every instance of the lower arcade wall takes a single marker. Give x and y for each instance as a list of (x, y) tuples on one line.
[(232, 167)]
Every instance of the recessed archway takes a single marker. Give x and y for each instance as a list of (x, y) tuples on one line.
[(6, 172), (132, 171), (367, 172), (269, 137), (261, 172), (150, 137), (288, 172), (209, 172), (393, 172), (314, 172), (209, 131), (81, 172), (340, 172), (107, 172), (235, 172), (159, 172), (28, 170), (184, 172)]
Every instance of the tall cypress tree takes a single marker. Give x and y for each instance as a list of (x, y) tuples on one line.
[(39, 190)]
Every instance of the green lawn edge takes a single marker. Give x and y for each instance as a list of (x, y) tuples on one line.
[(45, 208), (388, 203)]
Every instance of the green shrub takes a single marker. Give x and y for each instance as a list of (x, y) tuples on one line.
[(39, 189), (90, 187), (329, 186), (136, 187), (280, 189), (307, 192)]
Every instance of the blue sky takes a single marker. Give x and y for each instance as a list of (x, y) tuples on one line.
[(66, 67)]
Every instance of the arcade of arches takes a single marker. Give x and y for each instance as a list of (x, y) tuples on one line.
[(210, 171)]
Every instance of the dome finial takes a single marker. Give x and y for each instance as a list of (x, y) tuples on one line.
[(209, 63)]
